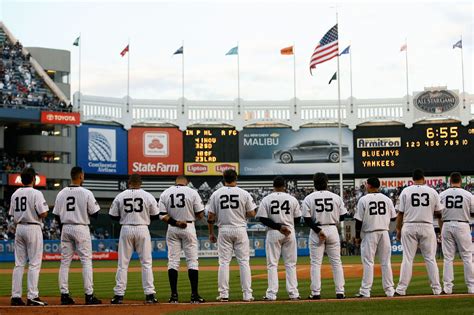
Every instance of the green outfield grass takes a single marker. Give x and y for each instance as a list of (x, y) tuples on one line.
[(105, 281)]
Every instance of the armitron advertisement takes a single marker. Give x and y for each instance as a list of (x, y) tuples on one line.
[(396, 150), (102, 149), (282, 151), (155, 151)]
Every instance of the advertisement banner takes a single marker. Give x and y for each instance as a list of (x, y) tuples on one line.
[(394, 150), (60, 118), (436, 102), (155, 151), (95, 256), (282, 151), (102, 149), (210, 151), (396, 182), (15, 180), (209, 169)]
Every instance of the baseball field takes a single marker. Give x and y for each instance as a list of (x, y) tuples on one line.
[(418, 301)]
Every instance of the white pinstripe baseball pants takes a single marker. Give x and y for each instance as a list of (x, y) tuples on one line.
[(414, 235), (277, 245), (28, 246), (76, 238), (134, 237), (457, 234), (234, 239), (185, 239), (332, 246)]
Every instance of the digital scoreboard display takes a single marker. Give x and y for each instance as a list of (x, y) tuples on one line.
[(210, 151), (432, 147)]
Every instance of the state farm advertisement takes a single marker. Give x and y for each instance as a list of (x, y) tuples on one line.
[(155, 151)]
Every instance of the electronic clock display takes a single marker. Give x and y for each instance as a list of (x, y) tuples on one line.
[(209, 151), (395, 149)]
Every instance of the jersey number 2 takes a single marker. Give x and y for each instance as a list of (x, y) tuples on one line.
[(70, 203)]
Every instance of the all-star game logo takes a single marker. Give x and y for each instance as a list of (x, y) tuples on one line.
[(436, 101)]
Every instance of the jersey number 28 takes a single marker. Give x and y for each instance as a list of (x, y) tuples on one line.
[(377, 208)]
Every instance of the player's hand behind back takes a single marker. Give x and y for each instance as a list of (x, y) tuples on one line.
[(285, 230), (181, 224), (213, 238)]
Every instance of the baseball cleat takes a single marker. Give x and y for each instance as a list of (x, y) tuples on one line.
[(35, 302), (361, 296), (92, 300), (340, 296), (398, 294), (17, 301), (117, 299), (150, 299), (196, 299), (173, 299), (250, 299), (266, 298), (66, 299), (295, 298), (222, 299), (314, 297)]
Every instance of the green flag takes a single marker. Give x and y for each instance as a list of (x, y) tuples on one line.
[(334, 77), (76, 42)]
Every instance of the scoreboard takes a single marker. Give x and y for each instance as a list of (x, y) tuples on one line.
[(210, 151), (442, 147)]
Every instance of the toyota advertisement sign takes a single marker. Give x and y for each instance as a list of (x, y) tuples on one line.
[(102, 149), (282, 151), (155, 151)]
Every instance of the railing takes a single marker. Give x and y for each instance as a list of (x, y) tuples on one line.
[(294, 113)]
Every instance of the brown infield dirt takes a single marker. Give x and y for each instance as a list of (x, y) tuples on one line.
[(134, 308), (350, 271)]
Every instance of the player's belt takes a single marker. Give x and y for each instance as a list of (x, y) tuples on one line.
[(418, 222), (328, 224), (74, 224), (189, 221), (28, 223), (455, 221)]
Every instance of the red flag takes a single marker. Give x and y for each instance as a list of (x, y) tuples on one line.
[(287, 51), (404, 47), (124, 51)]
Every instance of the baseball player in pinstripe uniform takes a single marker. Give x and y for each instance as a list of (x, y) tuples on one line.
[(73, 206), (134, 208), (279, 211), (455, 232), (373, 215), (324, 209), (418, 204), (28, 209), (180, 206), (229, 207)]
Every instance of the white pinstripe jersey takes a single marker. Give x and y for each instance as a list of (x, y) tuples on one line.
[(134, 206), (74, 204), (230, 205), (418, 204), (181, 203), (458, 204), (375, 211), (26, 205), (324, 207), (280, 207)]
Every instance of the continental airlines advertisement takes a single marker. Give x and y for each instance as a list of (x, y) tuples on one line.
[(282, 151), (155, 151)]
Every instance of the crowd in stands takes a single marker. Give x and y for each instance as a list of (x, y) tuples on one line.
[(10, 164), (20, 85)]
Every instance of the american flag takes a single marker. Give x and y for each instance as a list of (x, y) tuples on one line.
[(326, 49)]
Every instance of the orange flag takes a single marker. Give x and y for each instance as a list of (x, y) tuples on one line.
[(287, 51)]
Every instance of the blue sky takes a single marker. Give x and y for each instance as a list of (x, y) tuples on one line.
[(376, 30)]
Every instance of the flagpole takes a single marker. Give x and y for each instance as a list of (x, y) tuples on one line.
[(128, 77), (80, 48), (406, 66), (350, 75), (238, 79), (182, 74), (462, 72), (341, 193), (294, 74)]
